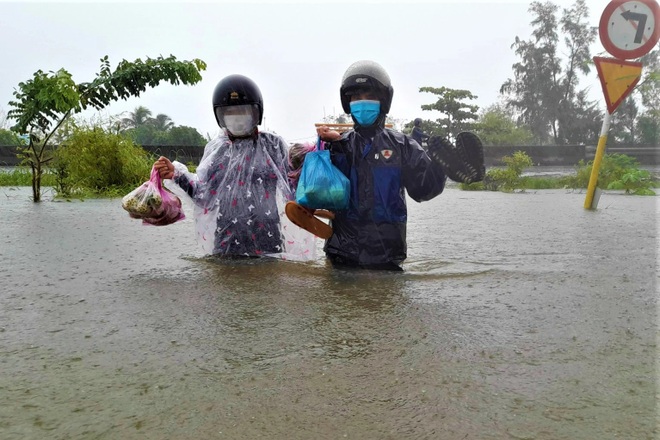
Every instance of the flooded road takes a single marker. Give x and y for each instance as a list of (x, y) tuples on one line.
[(518, 316)]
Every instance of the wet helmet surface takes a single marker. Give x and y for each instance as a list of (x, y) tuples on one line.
[(366, 75), (237, 90)]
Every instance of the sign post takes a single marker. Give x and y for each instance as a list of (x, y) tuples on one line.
[(628, 29)]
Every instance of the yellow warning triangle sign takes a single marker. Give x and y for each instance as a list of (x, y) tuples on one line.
[(618, 78)]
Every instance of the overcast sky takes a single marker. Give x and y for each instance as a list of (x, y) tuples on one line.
[(296, 52)]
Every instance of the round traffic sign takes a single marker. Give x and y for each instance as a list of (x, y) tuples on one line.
[(630, 28)]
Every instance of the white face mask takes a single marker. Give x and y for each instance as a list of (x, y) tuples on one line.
[(239, 125)]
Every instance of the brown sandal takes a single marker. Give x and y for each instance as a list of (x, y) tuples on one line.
[(304, 218)]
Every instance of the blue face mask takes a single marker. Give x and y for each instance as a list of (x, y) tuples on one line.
[(365, 112)]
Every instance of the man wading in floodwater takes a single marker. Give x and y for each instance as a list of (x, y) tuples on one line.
[(382, 165)]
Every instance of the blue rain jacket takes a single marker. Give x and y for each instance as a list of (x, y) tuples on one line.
[(372, 231)]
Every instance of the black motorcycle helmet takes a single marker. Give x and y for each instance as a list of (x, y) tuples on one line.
[(417, 122), (237, 90), (366, 75)]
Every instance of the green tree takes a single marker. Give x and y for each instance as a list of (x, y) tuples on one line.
[(182, 135), (585, 125), (496, 126), (431, 128), (457, 113), (43, 103), (544, 94), (636, 119), (648, 129), (150, 134), (137, 118), (533, 90), (649, 87), (623, 123), (575, 111), (162, 122), (648, 90), (10, 139), (145, 134)]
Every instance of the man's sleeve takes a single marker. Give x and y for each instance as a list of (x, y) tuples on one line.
[(422, 178)]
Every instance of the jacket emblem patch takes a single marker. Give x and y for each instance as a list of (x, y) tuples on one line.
[(387, 153)]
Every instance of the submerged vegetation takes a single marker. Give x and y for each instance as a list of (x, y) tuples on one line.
[(45, 102), (22, 176), (91, 162), (96, 162), (617, 172)]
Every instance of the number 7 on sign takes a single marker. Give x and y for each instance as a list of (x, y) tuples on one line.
[(641, 24)]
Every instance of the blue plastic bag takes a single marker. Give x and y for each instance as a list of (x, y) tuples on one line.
[(321, 184)]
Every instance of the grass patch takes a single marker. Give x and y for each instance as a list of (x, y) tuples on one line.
[(22, 176)]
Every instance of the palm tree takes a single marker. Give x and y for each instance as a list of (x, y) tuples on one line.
[(137, 118), (162, 122)]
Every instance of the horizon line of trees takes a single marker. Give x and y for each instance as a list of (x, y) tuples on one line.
[(138, 125), (144, 129), (541, 104)]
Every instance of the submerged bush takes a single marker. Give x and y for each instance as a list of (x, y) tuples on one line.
[(636, 182), (504, 179), (93, 161), (618, 172)]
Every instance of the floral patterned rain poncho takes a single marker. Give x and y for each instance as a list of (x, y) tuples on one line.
[(239, 192)]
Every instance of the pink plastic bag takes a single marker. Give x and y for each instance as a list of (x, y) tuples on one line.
[(153, 203)]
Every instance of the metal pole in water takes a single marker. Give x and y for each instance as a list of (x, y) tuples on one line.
[(591, 202)]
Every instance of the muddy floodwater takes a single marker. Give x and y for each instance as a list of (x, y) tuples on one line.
[(519, 316)]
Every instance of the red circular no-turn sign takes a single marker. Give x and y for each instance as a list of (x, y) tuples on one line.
[(630, 28)]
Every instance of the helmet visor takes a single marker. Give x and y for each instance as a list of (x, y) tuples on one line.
[(245, 110), (359, 90)]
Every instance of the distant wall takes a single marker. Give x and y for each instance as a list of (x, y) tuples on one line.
[(8, 156), (182, 153), (647, 155), (569, 155), (546, 155)]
